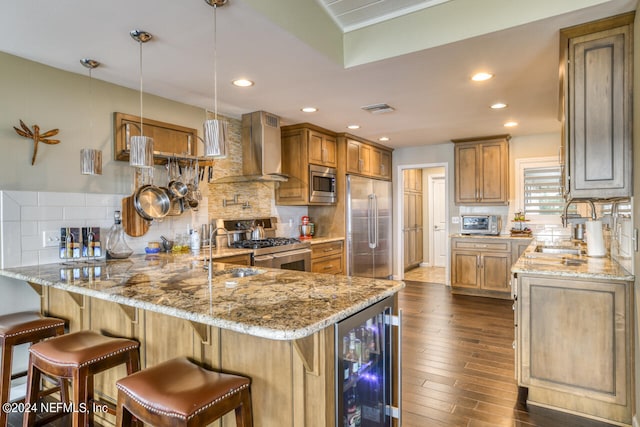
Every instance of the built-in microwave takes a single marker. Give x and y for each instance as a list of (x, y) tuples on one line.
[(322, 184), (481, 224)]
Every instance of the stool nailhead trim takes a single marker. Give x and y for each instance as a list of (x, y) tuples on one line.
[(55, 325), (89, 362), (175, 415)]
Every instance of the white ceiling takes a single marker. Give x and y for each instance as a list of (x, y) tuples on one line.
[(430, 89)]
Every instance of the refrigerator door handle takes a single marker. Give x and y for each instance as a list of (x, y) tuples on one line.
[(375, 222), (370, 222)]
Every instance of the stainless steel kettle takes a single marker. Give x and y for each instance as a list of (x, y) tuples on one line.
[(257, 232)]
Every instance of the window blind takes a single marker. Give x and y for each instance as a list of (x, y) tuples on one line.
[(543, 191)]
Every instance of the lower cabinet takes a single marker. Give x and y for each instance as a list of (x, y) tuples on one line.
[(481, 266), (574, 345), (327, 257), (244, 259)]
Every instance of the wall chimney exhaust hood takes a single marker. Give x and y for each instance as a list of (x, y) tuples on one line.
[(261, 158)]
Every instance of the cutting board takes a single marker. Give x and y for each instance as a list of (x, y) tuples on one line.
[(132, 223)]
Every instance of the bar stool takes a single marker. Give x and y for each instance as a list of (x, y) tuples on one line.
[(21, 328), (181, 393), (77, 357)]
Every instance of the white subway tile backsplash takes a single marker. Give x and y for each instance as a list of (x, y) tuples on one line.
[(10, 208), (41, 213), (26, 215), (23, 198), (61, 199), (84, 214), (29, 228), (106, 200)]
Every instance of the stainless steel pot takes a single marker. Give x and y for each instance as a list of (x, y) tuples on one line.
[(151, 202)]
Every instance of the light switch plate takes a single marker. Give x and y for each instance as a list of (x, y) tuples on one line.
[(455, 220), (50, 239)]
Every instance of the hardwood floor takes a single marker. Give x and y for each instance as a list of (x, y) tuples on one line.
[(458, 363)]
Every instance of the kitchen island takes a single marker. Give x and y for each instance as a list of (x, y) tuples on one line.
[(574, 332), (274, 326)]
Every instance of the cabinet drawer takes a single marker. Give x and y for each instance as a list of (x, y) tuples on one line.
[(329, 264), (326, 249), (244, 259), (481, 245)]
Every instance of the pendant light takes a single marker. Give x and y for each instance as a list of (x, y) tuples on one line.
[(215, 131), (90, 158), (141, 147)]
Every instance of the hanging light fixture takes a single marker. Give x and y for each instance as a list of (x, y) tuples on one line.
[(90, 158), (141, 147), (215, 131)]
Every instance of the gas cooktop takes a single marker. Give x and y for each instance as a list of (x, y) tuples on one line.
[(265, 243)]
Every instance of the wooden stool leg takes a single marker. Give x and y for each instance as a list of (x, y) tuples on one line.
[(33, 389), (79, 385), (244, 415), (5, 374)]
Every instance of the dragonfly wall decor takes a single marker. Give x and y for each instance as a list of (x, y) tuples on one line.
[(37, 137)]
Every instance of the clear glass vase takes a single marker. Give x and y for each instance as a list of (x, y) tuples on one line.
[(117, 247)]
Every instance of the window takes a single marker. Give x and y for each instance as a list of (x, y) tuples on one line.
[(539, 190), (542, 191)]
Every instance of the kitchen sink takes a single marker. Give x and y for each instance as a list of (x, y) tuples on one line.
[(560, 249), (238, 272)]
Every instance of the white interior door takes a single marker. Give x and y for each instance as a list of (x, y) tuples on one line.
[(438, 239)]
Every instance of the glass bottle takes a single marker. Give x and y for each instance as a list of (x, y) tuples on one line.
[(117, 247)]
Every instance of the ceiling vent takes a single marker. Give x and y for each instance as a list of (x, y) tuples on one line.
[(378, 108)]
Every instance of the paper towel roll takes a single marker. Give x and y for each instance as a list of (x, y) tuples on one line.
[(595, 239)]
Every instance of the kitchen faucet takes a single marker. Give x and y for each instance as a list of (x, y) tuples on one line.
[(570, 201), (213, 232)]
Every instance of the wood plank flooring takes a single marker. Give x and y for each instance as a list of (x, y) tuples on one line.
[(458, 364)]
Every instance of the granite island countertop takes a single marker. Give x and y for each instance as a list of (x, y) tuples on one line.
[(274, 304), (567, 266)]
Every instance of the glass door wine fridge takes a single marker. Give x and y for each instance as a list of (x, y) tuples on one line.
[(368, 381)]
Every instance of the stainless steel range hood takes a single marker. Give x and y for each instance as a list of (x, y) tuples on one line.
[(260, 149)]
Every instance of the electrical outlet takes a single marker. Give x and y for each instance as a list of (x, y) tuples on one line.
[(455, 220), (50, 238)]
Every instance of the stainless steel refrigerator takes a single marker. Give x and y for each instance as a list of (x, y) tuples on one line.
[(369, 227)]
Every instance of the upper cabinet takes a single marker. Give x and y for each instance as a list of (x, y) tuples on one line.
[(596, 75), (366, 158), (323, 149), (303, 144), (482, 170)]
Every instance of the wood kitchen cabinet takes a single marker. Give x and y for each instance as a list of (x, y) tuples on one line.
[(366, 158), (574, 341), (243, 259), (327, 257), (303, 144), (596, 75), (412, 225), (481, 266), (482, 170)]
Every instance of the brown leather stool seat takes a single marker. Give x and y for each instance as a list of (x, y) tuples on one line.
[(181, 393), (21, 328), (77, 357)]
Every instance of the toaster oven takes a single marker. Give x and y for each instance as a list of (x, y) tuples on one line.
[(481, 224)]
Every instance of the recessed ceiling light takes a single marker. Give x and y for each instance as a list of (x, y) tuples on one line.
[(499, 105), (510, 124), (309, 109), (480, 77), (242, 83), (353, 127), (383, 139)]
